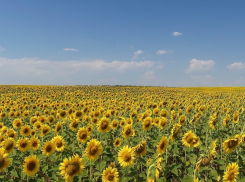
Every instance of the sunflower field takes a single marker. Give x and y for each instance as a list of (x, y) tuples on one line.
[(122, 133)]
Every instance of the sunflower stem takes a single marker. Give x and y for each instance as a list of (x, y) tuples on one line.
[(90, 172)]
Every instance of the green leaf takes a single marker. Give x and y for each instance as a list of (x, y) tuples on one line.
[(213, 174), (188, 179), (14, 173), (100, 166), (175, 171)]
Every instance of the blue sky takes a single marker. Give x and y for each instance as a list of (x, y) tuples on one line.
[(165, 43)]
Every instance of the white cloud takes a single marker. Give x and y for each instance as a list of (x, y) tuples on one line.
[(176, 34), (137, 53), (149, 75), (70, 49), (236, 66), (160, 52), (200, 65), (1, 48), (36, 71)]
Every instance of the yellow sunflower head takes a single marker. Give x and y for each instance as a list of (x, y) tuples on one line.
[(110, 175), (83, 135), (8, 144), (48, 148), (31, 165), (4, 160), (147, 123), (23, 144), (17, 123), (104, 125), (34, 143), (140, 149), (93, 150), (25, 130), (59, 142), (71, 167), (126, 156), (231, 173), (162, 145), (117, 142)]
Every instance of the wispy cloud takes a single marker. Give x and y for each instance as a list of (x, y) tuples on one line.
[(236, 66), (176, 34), (200, 65), (1, 48), (161, 52), (70, 49), (65, 72), (136, 53)]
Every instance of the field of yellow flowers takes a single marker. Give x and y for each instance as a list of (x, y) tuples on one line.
[(120, 133)]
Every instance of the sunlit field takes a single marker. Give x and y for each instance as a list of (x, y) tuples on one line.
[(110, 134)]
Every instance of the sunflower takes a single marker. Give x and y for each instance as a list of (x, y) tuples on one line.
[(62, 114), (112, 165), (38, 125), (1, 124), (4, 130), (226, 120), (58, 127), (89, 128), (213, 148), (78, 114), (45, 129), (231, 144), (25, 130), (8, 144), (11, 133), (140, 149), (147, 123), (163, 123), (4, 160), (17, 123), (127, 131), (190, 139), (236, 117), (31, 165), (117, 142), (182, 120), (33, 120), (59, 142), (26, 114), (231, 173), (110, 175), (3, 114), (93, 150), (83, 135), (42, 119), (175, 131), (74, 125), (48, 148), (23, 144), (162, 145), (104, 125), (114, 124), (173, 116), (71, 167), (203, 162), (126, 156), (51, 119), (34, 143), (2, 138)]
